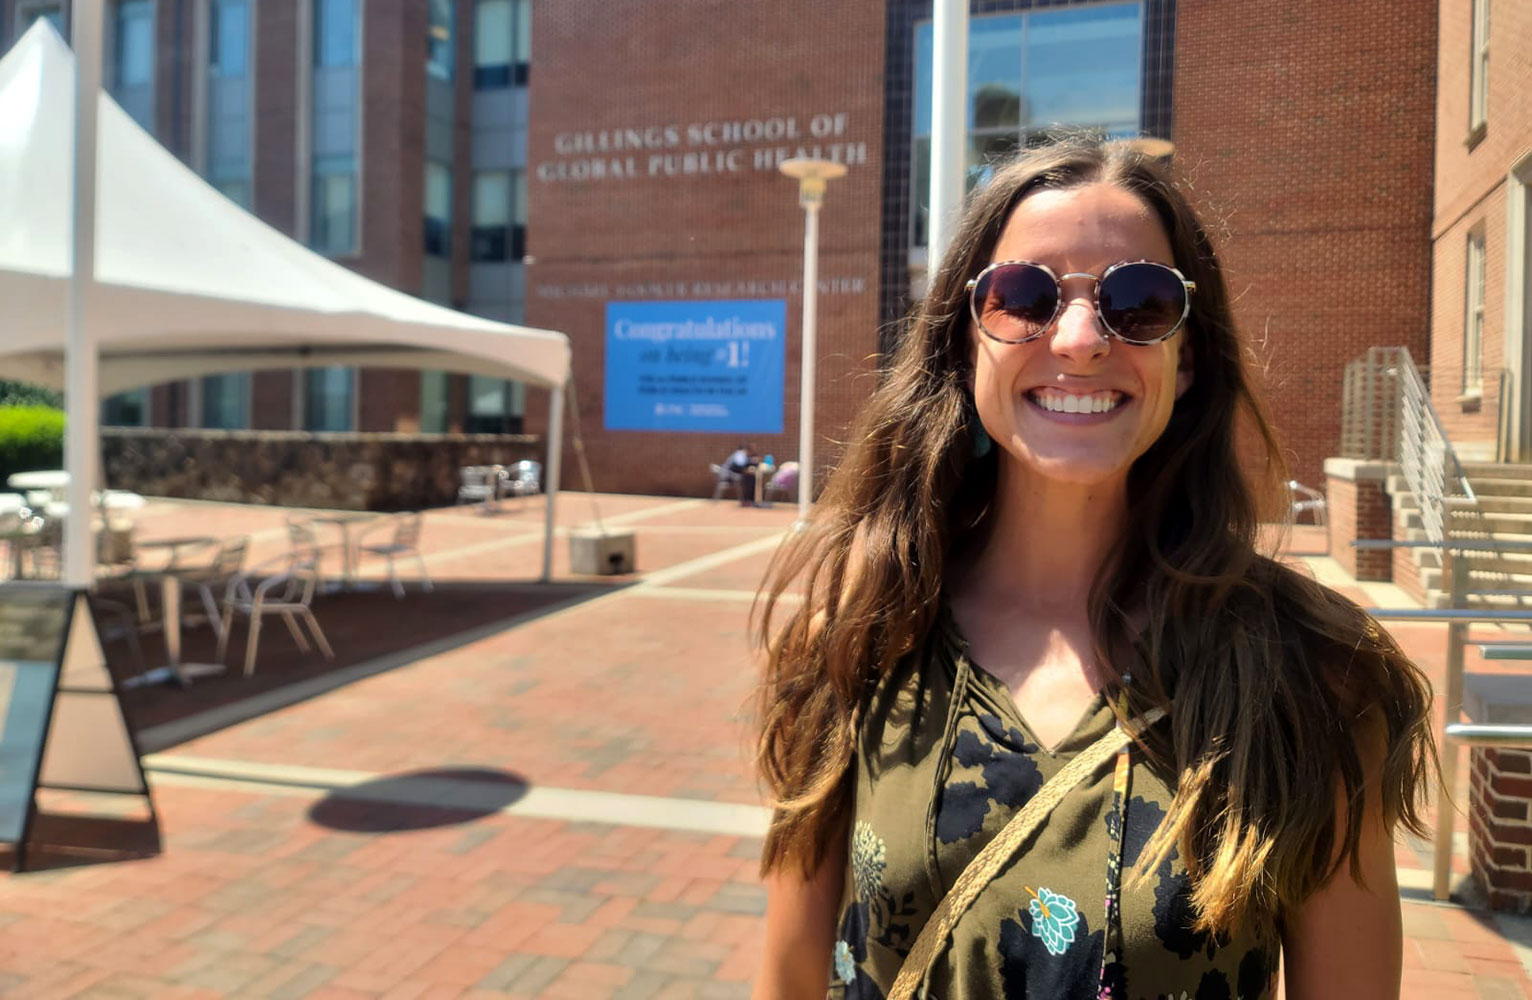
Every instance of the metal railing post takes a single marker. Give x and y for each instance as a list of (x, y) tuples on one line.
[(1452, 708)]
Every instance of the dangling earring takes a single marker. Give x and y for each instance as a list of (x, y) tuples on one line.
[(982, 443)]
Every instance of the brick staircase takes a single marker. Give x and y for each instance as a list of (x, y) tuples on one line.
[(1504, 513)]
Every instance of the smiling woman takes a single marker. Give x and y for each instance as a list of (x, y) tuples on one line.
[(1045, 723)]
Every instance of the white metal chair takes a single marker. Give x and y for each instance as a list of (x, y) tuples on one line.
[(288, 594), (476, 484), (1307, 500), (523, 479), (406, 542), (215, 574)]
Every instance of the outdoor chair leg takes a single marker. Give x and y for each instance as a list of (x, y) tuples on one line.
[(252, 644), (141, 592), (292, 626), (393, 579), (425, 576), (324, 646), (223, 633), (211, 607)]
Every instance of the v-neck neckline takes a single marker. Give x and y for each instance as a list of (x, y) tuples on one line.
[(1004, 700)]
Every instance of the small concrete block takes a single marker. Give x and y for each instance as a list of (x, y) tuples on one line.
[(599, 553)]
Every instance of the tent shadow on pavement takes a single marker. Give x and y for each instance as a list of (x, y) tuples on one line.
[(419, 800), (371, 633)]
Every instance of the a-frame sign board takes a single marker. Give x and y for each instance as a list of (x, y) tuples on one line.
[(61, 719)]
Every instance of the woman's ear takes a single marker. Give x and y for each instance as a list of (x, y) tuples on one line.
[(1185, 367)]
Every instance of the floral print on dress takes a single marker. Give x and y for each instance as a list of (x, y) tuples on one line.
[(1054, 919), (845, 965), (869, 857)]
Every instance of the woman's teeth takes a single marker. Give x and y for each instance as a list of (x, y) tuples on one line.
[(1063, 402)]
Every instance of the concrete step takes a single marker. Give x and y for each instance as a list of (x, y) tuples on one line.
[(1474, 525), (1441, 599), (1432, 578), (1497, 470), (1502, 487), (1492, 503)]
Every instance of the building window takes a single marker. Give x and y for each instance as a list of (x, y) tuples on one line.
[(433, 402), (126, 409), (1026, 81), (226, 401), (1473, 325), (27, 13), (502, 43), (495, 406), (438, 209), (1478, 84), (499, 215), (333, 213), (132, 74), (328, 398), (439, 40), (228, 105)]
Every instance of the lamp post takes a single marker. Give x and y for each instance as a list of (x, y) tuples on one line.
[(812, 176)]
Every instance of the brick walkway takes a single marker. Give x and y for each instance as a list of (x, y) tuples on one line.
[(563, 808)]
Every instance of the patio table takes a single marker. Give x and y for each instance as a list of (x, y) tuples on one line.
[(174, 671), (345, 521), (55, 481)]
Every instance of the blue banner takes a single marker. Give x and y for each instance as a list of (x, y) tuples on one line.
[(695, 366)]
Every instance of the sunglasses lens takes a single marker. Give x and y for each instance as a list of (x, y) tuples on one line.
[(1142, 302), (1015, 302)]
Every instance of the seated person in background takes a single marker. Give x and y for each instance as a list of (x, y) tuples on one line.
[(739, 460)]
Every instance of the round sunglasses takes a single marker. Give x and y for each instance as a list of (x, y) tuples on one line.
[(1138, 301)]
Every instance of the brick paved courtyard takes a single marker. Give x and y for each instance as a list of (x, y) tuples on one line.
[(554, 802)]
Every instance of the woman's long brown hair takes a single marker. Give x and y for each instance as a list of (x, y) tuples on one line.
[(1266, 675)]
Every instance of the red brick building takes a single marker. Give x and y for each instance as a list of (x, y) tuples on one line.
[(573, 165), (1481, 269)]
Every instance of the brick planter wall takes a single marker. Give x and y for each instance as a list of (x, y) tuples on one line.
[(1358, 507), (289, 469), (1499, 826)]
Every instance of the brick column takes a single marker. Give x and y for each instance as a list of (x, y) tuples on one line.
[(1499, 830), (1358, 507)]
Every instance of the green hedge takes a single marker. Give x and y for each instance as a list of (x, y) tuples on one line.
[(31, 437), (27, 394)]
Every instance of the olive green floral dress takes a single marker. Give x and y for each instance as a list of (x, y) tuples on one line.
[(945, 760)]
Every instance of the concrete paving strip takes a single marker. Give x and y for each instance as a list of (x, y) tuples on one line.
[(567, 804), (704, 563), (534, 532), (1328, 571)]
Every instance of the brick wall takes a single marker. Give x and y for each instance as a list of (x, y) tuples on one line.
[(1357, 507), (1500, 827), (1307, 130), (670, 64), (1471, 178)]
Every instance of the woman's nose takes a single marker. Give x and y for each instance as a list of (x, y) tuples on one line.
[(1078, 335)]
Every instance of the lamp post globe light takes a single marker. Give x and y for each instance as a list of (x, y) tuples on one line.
[(812, 176)]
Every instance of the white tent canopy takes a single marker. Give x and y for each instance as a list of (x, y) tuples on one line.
[(187, 283)]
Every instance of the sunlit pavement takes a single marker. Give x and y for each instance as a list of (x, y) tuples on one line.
[(559, 805)]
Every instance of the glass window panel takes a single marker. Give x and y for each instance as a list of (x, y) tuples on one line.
[(237, 191), (519, 197), (226, 400), (921, 175), (30, 15), (439, 40), (328, 399), (335, 33), (994, 72), (492, 198), (523, 31), (433, 402), (126, 409), (229, 38), (334, 206), (923, 57), (438, 208), (133, 57), (492, 33), (985, 152), (1063, 88)]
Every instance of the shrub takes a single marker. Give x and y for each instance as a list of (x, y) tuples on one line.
[(27, 394), (31, 437)]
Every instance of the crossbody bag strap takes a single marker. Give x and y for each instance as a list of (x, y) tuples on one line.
[(988, 862)]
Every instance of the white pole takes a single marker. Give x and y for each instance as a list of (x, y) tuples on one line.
[(82, 439), (806, 387), (949, 95), (551, 477)]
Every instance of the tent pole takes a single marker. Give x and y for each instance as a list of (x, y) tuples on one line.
[(551, 480), (82, 441)]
